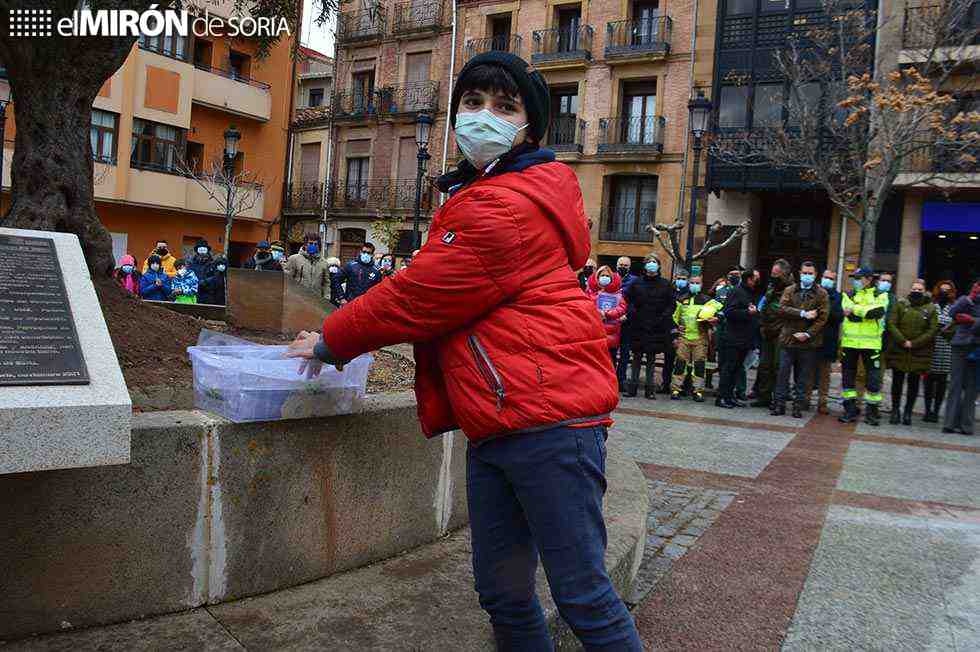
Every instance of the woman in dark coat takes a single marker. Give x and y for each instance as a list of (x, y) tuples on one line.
[(651, 313), (912, 325)]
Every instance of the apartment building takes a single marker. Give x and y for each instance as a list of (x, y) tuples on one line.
[(621, 74), (393, 63), (168, 105), (304, 194)]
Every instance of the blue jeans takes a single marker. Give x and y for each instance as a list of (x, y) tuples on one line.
[(542, 494)]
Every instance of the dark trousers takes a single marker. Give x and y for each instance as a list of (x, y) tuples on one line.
[(670, 359), (625, 340), (541, 494), (731, 359), (799, 362), (768, 372), (872, 368), (898, 382), (651, 362), (962, 398), (935, 392)]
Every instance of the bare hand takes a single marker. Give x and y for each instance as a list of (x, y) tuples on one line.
[(907, 344), (847, 312), (302, 347), (801, 337), (811, 314), (343, 301), (158, 282), (712, 320), (752, 308)]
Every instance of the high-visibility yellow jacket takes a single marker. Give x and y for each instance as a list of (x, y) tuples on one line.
[(866, 333), (692, 314)]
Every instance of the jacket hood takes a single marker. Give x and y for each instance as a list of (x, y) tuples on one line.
[(127, 260), (615, 286)]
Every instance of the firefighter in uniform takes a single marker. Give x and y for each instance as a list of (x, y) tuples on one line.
[(694, 315), (864, 311)]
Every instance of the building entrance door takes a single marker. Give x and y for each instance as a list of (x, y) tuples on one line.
[(794, 226)]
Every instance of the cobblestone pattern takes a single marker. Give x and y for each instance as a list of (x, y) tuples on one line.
[(679, 515)]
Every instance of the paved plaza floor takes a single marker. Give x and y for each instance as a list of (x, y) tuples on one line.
[(804, 534)]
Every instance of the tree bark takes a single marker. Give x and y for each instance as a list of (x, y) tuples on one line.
[(869, 235)]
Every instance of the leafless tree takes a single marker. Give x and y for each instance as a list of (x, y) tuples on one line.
[(668, 235), (852, 125)]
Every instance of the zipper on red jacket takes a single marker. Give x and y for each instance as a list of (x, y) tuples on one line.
[(488, 371)]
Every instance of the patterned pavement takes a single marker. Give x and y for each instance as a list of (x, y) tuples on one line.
[(804, 534)]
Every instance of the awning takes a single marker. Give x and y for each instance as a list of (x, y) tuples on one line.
[(951, 216)]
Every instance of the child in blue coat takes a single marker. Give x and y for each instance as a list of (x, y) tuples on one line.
[(184, 283), (155, 284)]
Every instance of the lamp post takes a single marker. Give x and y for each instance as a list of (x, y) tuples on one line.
[(232, 136), (423, 130), (3, 137), (699, 108)]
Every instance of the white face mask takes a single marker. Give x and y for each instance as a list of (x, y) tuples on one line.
[(181, 272), (202, 250), (605, 280), (366, 258), (221, 268), (155, 267), (334, 269), (484, 137)]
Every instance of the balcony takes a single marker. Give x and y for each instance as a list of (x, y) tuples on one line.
[(303, 198), (354, 106), (627, 224), (638, 40), (566, 134), (228, 91), (361, 26), (418, 18), (408, 99), (562, 48), (509, 43), (920, 22), (377, 195), (162, 188), (629, 135), (955, 165)]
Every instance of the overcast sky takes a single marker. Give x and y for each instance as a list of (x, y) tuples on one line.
[(318, 38)]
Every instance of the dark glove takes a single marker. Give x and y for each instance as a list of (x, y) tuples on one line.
[(963, 318), (875, 313), (323, 354), (853, 317)]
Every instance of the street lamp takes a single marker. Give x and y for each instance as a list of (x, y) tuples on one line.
[(423, 130), (232, 136), (699, 108), (3, 127)]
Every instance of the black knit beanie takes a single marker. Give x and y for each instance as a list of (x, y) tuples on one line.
[(534, 89)]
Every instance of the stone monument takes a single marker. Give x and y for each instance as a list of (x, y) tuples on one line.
[(63, 400)]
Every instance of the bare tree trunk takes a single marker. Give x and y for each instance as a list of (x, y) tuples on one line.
[(228, 225), (869, 235)]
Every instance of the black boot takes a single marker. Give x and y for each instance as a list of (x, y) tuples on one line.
[(907, 415), (930, 386), (650, 393), (872, 415), (778, 409), (632, 389), (797, 410), (938, 399), (760, 402), (850, 412), (896, 416)]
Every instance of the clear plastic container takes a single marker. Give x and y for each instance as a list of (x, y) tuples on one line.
[(254, 382)]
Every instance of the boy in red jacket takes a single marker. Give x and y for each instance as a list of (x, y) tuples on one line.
[(509, 350)]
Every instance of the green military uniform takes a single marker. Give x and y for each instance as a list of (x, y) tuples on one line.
[(691, 315), (861, 339)]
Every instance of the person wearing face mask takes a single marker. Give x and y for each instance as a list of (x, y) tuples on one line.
[(202, 264), (214, 292), (162, 249), (861, 338), (306, 268), (803, 310), (623, 267), (387, 266), (184, 285), (605, 288), (912, 327), (770, 327), (333, 269), (737, 338), (357, 276), (828, 353), (652, 303), (718, 292), (155, 283), (585, 274), (263, 260), (694, 315), (127, 276), (943, 296), (509, 350), (962, 397)]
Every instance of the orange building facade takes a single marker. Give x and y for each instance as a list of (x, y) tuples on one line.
[(162, 115)]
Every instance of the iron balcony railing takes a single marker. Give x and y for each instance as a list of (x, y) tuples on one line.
[(558, 44), (952, 158), (389, 194), (918, 29), (409, 98), (567, 134), (632, 134), (507, 43), (231, 74), (304, 196), (627, 223), (354, 105), (361, 25), (417, 16), (639, 36)]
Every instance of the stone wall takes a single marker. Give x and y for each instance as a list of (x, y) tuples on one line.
[(210, 511)]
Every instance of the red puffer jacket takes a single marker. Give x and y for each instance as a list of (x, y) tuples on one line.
[(609, 299), (505, 340)]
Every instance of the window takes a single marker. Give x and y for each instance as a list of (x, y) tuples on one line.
[(767, 105), (363, 92), (808, 104), (569, 19), (240, 65), (639, 113), (733, 107), (203, 50), (647, 17), (733, 7), (195, 156), (500, 31), (564, 108), (768, 6), (172, 46), (155, 146), (357, 178), (102, 135), (634, 204), (316, 96)]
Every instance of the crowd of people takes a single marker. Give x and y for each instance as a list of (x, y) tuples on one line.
[(163, 277), (794, 329)]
